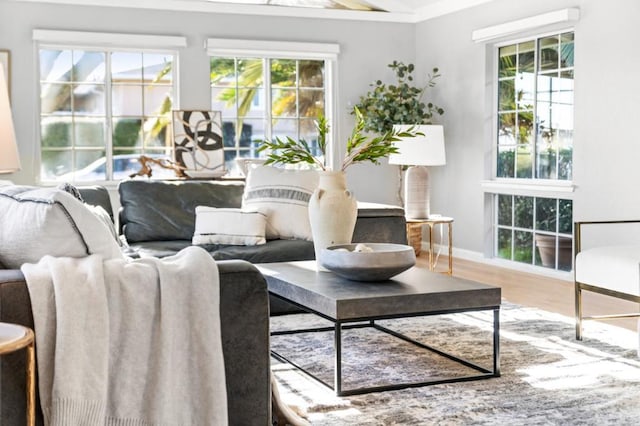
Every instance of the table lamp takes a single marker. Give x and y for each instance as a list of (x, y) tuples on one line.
[(417, 153), (9, 160)]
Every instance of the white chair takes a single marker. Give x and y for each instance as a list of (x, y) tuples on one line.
[(612, 270)]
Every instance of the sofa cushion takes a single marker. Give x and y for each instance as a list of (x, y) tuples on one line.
[(49, 221), (165, 210), (283, 196), (229, 226)]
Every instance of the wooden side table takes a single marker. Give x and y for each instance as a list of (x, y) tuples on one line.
[(14, 337), (431, 223)]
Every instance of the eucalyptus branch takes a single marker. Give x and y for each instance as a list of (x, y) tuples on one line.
[(289, 151)]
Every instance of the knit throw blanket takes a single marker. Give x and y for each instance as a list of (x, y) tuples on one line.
[(129, 342)]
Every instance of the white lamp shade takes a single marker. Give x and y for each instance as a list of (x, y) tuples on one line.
[(427, 150), (9, 160)]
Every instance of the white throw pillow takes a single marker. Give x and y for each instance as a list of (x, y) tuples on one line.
[(283, 196), (229, 226), (35, 222)]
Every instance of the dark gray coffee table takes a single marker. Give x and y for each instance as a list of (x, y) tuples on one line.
[(349, 304)]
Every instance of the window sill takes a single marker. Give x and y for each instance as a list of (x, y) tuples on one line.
[(551, 188)]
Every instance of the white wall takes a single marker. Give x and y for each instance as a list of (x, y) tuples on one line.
[(366, 49), (607, 91)]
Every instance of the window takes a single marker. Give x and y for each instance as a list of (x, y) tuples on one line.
[(271, 90), (534, 144), (101, 108)]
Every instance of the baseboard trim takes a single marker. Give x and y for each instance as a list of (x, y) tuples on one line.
[(475, 256)]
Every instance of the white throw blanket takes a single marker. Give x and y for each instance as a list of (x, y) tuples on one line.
[(129, 342)]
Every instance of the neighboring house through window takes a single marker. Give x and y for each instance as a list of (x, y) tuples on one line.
[(267, 90), (105, 99)]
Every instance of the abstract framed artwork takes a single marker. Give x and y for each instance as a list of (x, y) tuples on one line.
[(197, 139)]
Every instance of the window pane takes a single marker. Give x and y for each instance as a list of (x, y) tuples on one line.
[(311, 102), (156, 133), (55, 132), (526, 57), (505, 214), (157, 68), (250, 72), (55, 65), (283, 73), (523, 208), (525, 89), (89, 132), (89, 99), (565, 217), (311, 73), (55, 163), (504, 243), (525, 127), (88, 66), (224, 100), (126, 67), (248, 104), (127, 132), (546, 214), (524, 163), (284, 103), (506, 162), (90, 166), (55, 98), (522, 246), (506, 95), (548, 55), (283, 128), (126, 100), (222, 71), (546, 162), (157, 100), (566, 50), (252, 131), (507, 61)]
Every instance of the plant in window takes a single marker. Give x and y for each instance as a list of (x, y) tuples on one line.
[(400, 103), (360, 148)]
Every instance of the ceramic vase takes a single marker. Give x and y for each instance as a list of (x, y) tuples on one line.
[(332, 212)]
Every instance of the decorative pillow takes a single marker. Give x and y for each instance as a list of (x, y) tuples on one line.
[(35, 222), (229, 226), (283, 196)]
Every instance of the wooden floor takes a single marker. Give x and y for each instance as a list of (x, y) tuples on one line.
[(539, 291)]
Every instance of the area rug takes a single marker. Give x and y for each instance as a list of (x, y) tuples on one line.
[(548, 378)]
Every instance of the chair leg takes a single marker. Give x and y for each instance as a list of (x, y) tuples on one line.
[(578, 301)]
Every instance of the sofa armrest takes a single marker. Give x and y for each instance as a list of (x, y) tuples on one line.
[(244, 317)]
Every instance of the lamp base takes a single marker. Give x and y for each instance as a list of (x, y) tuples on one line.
[(416, 193)]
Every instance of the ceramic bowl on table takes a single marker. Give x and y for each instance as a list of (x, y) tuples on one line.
[(368, 261)]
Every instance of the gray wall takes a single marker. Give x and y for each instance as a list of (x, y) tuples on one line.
[(607, 91), (366, 49)]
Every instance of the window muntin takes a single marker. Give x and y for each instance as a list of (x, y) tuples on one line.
[(535, 142), (262, 98), (102, 108)]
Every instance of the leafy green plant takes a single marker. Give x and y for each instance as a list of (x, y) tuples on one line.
[(400, 103), (360, 148)]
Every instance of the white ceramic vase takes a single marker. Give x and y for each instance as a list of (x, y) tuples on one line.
[(332, 212)]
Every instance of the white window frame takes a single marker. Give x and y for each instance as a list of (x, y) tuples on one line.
[(532, 28), (272, 49), (79, 40)]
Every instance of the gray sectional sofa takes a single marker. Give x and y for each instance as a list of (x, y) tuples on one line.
[(157, 218)]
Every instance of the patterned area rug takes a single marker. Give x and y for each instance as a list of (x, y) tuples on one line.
[(548, 378)]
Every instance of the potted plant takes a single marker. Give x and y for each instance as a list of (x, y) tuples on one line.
[(332, 208), (400, 103)]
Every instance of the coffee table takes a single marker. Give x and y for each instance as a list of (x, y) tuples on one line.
[(350, 304)]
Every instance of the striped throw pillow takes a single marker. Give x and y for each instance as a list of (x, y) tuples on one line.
[(229, 226), (283, 196)]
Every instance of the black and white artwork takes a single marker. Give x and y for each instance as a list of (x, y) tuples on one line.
[(197, 138)]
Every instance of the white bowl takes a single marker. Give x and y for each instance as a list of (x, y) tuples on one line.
[(380, 264)]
